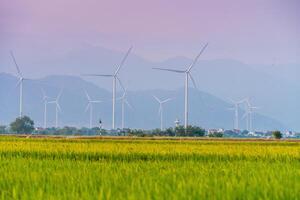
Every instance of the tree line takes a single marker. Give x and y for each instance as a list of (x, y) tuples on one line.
[(25, 125)]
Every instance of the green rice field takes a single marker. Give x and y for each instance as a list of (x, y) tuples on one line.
[(125, 168)]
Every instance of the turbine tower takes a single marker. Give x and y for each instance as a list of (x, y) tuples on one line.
[(236, 112), (160, 110), (46, 101), (124, 101), (188, 75), (90, 106), (249, 114), (57, 107), (114, 83), (20, 83)]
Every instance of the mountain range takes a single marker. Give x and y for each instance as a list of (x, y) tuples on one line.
[(274, 89), (206, 110)]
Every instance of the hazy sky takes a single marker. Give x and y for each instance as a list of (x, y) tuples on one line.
[(252, 31)]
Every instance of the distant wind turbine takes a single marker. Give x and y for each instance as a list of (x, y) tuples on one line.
[(115, 78), (124, 101), (90, 106), (57, 107), (249, 114), (236, 112), (160, 110), (20, 83), (46, 101), (188, 75)]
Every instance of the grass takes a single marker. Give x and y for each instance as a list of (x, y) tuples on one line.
[(43, 168)]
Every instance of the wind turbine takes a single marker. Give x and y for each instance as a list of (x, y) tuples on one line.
[(57, 107), (114, 83), (160, 110), (90, 106), (124, 101), (46, 101), (20, 83), (236, 112), (188, 75), (248, 114)]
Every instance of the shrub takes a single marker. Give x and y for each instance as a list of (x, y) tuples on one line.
[(277, 134), (215, 134), (22, 125), (190, 131)]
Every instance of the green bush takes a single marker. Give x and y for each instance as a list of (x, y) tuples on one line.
[(2, 129), (215, 134), (277, 134), (190, 131), (22, 125)]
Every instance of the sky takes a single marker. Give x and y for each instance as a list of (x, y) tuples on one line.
[(251, 31)]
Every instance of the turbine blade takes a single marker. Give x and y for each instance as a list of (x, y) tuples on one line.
[(87, 107), (18, 83), (119, 98), (124, 94), (104, 75), (194, 82), (58, 106), (98, 101), (44, 94), (197, 57), (157, 99), (59, 95), (87, 95), (245, 115), (169, 99), (121, 84), (15, 62), (128, 104), (171, 70), (123, 61)]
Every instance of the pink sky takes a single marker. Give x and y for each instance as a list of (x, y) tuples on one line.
[(253, 31)]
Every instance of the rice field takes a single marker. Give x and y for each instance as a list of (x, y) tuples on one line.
[(61, 168)]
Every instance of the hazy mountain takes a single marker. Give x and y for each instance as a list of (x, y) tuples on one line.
[(206, 110)]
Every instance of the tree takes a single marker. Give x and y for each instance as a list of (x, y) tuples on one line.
[(67, 130), (190, 131), (215, 134), (22, 125), (170, 132), (2, 129), (277, 134)]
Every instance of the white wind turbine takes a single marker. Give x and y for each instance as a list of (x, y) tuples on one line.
[(90, 106), (115, 78), (20, 83), (236, 112), (46, 101), (249, 114), (188, 75), (160, 110), (57, 107), (124, 101)]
